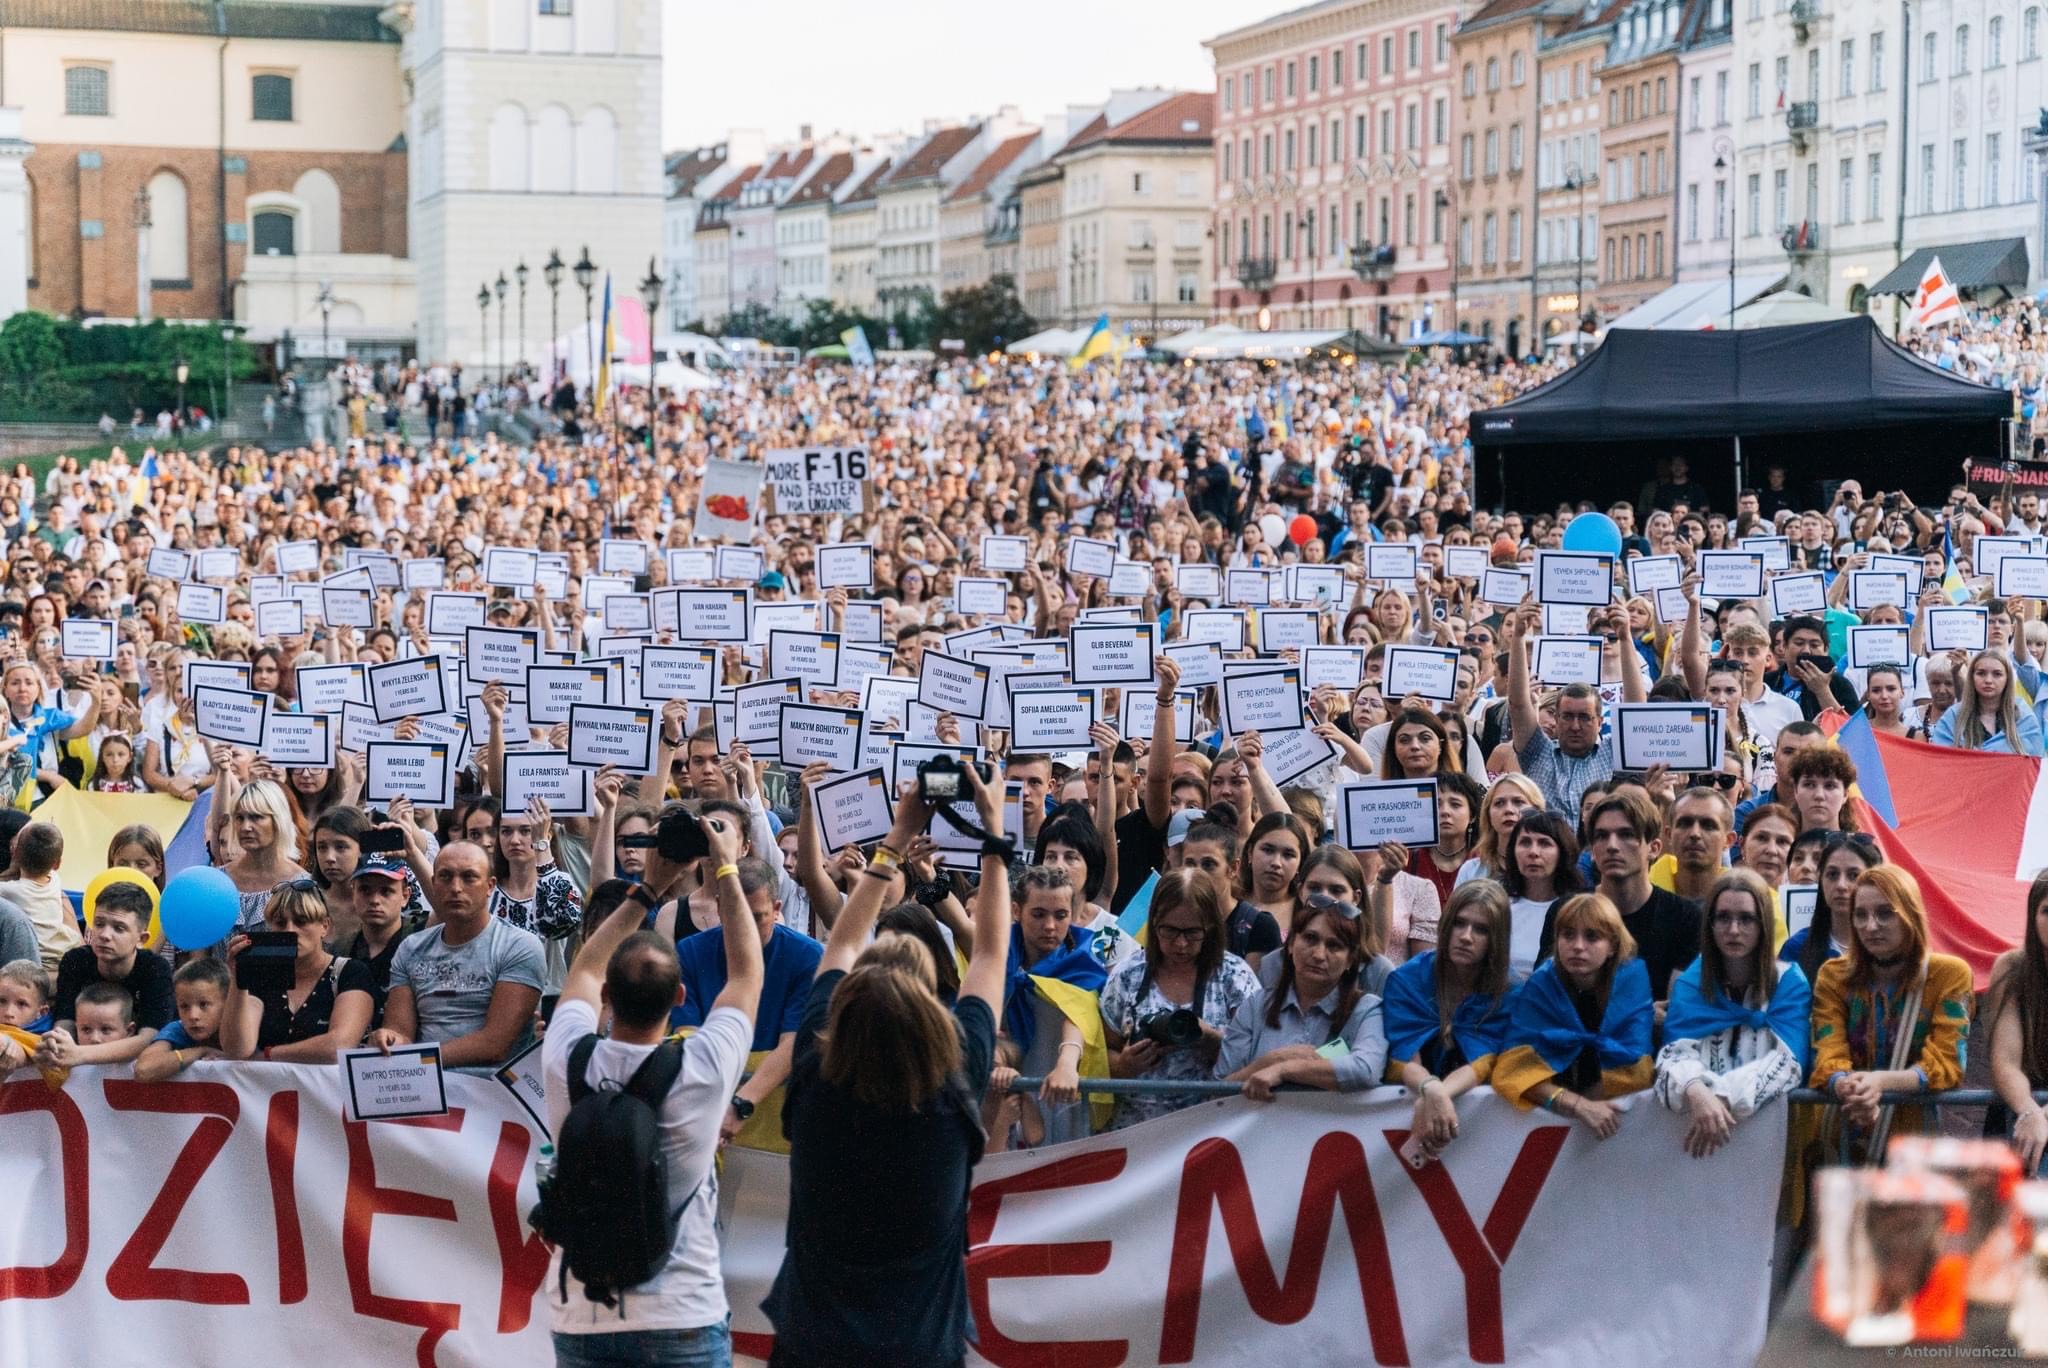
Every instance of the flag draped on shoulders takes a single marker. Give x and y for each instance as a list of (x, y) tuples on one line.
[(1408, 1007), (1691, 1016)]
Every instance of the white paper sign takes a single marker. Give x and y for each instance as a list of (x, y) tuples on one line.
[(1875, 588), (1051, 720), (1201, 662), (809, 733), (1371, 814), (1086, 556), (712, 614), (1112, 654), (552, 690), (1567, 660), (952, 685), (1223, 626), (1285, 629), (1465, 562), (626, 737), (1005, 554), (409, 688), (2018, 577), (1200, 581), (406, 1082), (301, 740), (1806, 592), (93, 638), (1431, 671), (853, 809), (1732, 574), (423, 771), (1952, 627), (1678, 737), (1503, 588), (1393, 561), (670, 672), (1878, 646), (324, 688), (981, 597), (548, 776), (1262, 701), (298, 558), (280, 618), (1649, 573), (1579, 578), (230, 715), (208, 603), (846, 565)]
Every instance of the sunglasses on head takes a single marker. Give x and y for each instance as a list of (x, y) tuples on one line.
[(1837, 840), (1323, 902), (302, 884)]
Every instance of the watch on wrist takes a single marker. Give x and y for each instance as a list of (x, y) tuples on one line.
[(742, 1108)]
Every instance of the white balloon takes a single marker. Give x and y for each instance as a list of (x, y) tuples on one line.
[(1275, 528)]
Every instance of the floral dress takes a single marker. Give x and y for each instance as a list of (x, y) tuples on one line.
[(1123, 1010)]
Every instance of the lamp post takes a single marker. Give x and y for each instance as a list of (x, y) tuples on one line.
[(184, 370), (1447, 210), (483, 326), (650, 295), (586, 278), (1575, 180), (1724, 162), (1307, 223), (325, 299), (551, 272), (519, 274), (501, 288)]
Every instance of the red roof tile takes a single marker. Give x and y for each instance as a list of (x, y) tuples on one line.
[(732, 188), (992, 166), (686, 169), (823, 181), (931, 158), (1499, 9), (1188, 116), (788, 164), (1090, 132), (866, 189)]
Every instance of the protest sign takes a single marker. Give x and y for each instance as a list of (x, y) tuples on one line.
[(818, 479), (729, 500)]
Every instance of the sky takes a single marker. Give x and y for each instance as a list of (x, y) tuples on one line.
[(889, 66)]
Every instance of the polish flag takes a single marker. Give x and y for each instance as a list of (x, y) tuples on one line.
[(1936, 301)]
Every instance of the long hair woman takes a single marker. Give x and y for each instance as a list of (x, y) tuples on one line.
[(1507, 799), (1184, 968), (1543, 867), (1319, 997), (1417, 747), (1986, 715), (1580, 1034), (1447, 1011), (1269, 874), (1736, 1031), (2019, 1035), (1884, 703), (1843, 858), (881, 1070), (1888, 1015)]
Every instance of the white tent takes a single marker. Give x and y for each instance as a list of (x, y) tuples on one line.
[(1201, 341), (1051, 342), (671, 376), (1784, 309)]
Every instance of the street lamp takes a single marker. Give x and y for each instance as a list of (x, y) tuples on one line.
[(1307, 221), (1573, 180), (650, 295), (502, 287), (551, 272), (483, 325), (519, 274), (184, 370), (586, 277), (1446, 208), (1724, 158), (325, 299)]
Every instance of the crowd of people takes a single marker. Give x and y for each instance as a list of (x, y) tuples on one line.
[(1172, 905)]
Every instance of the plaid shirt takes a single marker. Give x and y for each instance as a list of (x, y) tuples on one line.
[(1563, 778)]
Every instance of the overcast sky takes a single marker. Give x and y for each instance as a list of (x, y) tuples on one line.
[(879, 68)]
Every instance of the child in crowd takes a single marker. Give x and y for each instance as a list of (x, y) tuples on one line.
[(113, 955), (24, 1012), (106, 1014), (116, 772), (38, 850), (201, 986)]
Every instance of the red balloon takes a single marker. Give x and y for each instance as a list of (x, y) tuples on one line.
[(1301, 529)]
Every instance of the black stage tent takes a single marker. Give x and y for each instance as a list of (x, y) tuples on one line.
[(1825, 400)]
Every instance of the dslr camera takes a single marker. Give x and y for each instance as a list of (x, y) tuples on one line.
[(1178, 1029), (679, 839), (943, 779)]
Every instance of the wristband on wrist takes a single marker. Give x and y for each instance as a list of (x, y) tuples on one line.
[(726, 869)]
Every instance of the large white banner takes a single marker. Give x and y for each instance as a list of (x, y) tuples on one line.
[(231, 1217)]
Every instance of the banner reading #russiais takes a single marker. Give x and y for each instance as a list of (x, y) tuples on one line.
[(231, 1217)]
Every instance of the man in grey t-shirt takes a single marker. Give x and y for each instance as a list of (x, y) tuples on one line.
[(471, 981)]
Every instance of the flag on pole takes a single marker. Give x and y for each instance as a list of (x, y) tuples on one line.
[(1098, 343), (855, 340), (608, 341), (1936, 301)]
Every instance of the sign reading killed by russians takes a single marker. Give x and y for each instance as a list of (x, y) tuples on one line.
[(818, 479)]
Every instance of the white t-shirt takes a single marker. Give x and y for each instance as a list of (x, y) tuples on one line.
[(689, 1292), (1525, 936)]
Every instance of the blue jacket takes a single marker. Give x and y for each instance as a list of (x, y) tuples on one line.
[(2027, 743)]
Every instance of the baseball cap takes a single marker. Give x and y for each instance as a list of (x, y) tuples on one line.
[(379, 866), (772, 580), (1181, 823)]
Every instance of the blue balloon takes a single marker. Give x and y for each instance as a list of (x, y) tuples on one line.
[(200, 906), (1592, 532)]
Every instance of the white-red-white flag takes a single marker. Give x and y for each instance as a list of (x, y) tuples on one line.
[(1936, 301)]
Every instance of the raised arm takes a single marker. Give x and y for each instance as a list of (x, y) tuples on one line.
[(744, 970), (825, 896), (1106, 742), (856, 920), (1692, 642), (990, 956), (1159, 758), (1522, 717)]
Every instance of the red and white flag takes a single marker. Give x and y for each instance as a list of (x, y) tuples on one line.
[(1936, 301)]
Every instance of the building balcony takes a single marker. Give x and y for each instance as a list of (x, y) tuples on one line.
[(1800, 240), (1800, 121), (1805, 14), (1256, 273), (1372, 261)]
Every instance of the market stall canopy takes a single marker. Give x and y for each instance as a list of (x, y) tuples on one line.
[(1785, 309), (1195, 343), (1694, 304), (1818, 398), (1454, 338), (2000, 265), (1051, 342)]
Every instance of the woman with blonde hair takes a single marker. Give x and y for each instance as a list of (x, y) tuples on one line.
[(1986, 715), (256, 839), (881, 1069), (1737, 1028), (1581, 1031), (1507, 798), (1888, 1015), (330, 1005), (1447, 1011)]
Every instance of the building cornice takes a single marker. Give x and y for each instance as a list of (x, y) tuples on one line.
[(1316, 23)]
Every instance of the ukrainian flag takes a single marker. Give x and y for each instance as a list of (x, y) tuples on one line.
[(1283, 418), (1951, 578), (1097, 343), (608, 341)]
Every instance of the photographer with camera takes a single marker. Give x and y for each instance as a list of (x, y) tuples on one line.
[(883, 1071), (636, 1282), (1165, 1008)]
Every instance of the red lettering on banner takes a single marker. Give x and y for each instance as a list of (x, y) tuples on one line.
[(367, 1201), (522, 1259), (987, 1262), (280, 1157), (1213, 1175), (1482, 1254), (133, 1275), (73, 1152)]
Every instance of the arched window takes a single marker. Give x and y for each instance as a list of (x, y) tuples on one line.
[(554, 151), (509, 155), (274, 232), (322, 198), (597, 152), (2030, 34), (1859, 299), (169, 230)]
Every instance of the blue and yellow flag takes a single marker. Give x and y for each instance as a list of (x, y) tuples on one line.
[(1097, 343), (1951, 578), (607, 342)]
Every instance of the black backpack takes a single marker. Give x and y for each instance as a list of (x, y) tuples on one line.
[(606, 1206)]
